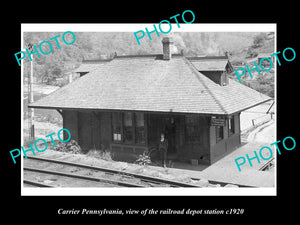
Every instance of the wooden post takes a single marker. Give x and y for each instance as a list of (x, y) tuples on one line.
[(30, 100), (70, 77)]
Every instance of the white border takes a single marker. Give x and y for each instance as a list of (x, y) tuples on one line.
[(133, 27), (82, 27), (263, 191)]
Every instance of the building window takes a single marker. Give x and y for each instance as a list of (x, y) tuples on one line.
[(192, 129), (219, 133), (128, 127), (140, 137), (117, 126), (231, 125)]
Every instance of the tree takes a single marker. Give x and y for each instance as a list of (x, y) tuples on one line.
[(259, 40), (251, 53)]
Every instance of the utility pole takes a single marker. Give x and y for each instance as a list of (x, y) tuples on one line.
[(30, 95)]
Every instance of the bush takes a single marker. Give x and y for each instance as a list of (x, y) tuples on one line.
[(259, 40), (72, 146), (251, 53), (100, 154), (143, 159)]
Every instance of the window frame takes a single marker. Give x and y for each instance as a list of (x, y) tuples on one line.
[(195, 124), (139, 128), (135, 129), (131, 128), (217, 130), (231, 124), (121, 127)]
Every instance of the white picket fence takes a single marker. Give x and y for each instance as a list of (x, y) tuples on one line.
[(261, 120)]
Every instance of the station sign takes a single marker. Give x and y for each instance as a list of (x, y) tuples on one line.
[(217, 121)]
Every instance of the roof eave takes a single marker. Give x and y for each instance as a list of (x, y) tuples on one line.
[(127, 110), (249, 107)]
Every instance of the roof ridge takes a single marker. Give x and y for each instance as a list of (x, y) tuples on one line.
[(95, 61), (196, 72), (206, 57), (143, 55), (135, 55)]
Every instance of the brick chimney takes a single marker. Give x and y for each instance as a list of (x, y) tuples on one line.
[(167, 42)]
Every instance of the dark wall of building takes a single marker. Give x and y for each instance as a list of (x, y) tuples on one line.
[(90, 129), (171, 125), (155, 127), (199, 148), (227, 144), (85, 130), (105, 129), (93, 130), (174, 126), (70, 121)]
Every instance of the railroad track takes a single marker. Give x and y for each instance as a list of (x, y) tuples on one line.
[(223, 184), (80, 177), (146, 181), (268, 165), (36, 184)]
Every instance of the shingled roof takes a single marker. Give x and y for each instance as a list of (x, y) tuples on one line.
[(149, 83), (210, 63), (90, 65)]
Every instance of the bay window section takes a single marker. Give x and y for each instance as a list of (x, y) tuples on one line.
[(140, 137), (128, 127), (219, 133), (231, 125), (117, 126), (192, 129)]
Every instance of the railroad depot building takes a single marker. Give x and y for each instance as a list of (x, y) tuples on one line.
[(126, 102)]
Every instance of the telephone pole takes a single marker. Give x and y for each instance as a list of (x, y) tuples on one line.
[(30, 95)]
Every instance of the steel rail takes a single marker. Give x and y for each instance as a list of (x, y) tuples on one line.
[(37, 184), (222, 183), (266, 164), (119, 183), (112, 171)]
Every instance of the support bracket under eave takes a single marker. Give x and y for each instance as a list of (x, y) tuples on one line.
[(60, 112)]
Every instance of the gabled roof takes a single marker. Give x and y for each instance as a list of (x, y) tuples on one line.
[(90, 65), (211, 63), (148, 83)]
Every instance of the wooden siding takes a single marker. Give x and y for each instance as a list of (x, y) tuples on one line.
[(85, 130), (70, 121), (158, 123), (106, 129), (93, 130), (126, 152), (90, 129), (199, 149), (227, 144)]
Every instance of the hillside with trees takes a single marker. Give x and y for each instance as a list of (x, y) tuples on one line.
[(242, 47), (262, 43)]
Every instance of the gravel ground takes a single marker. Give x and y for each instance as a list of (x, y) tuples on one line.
[(254, 113), (165, 173), (264, 133)]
